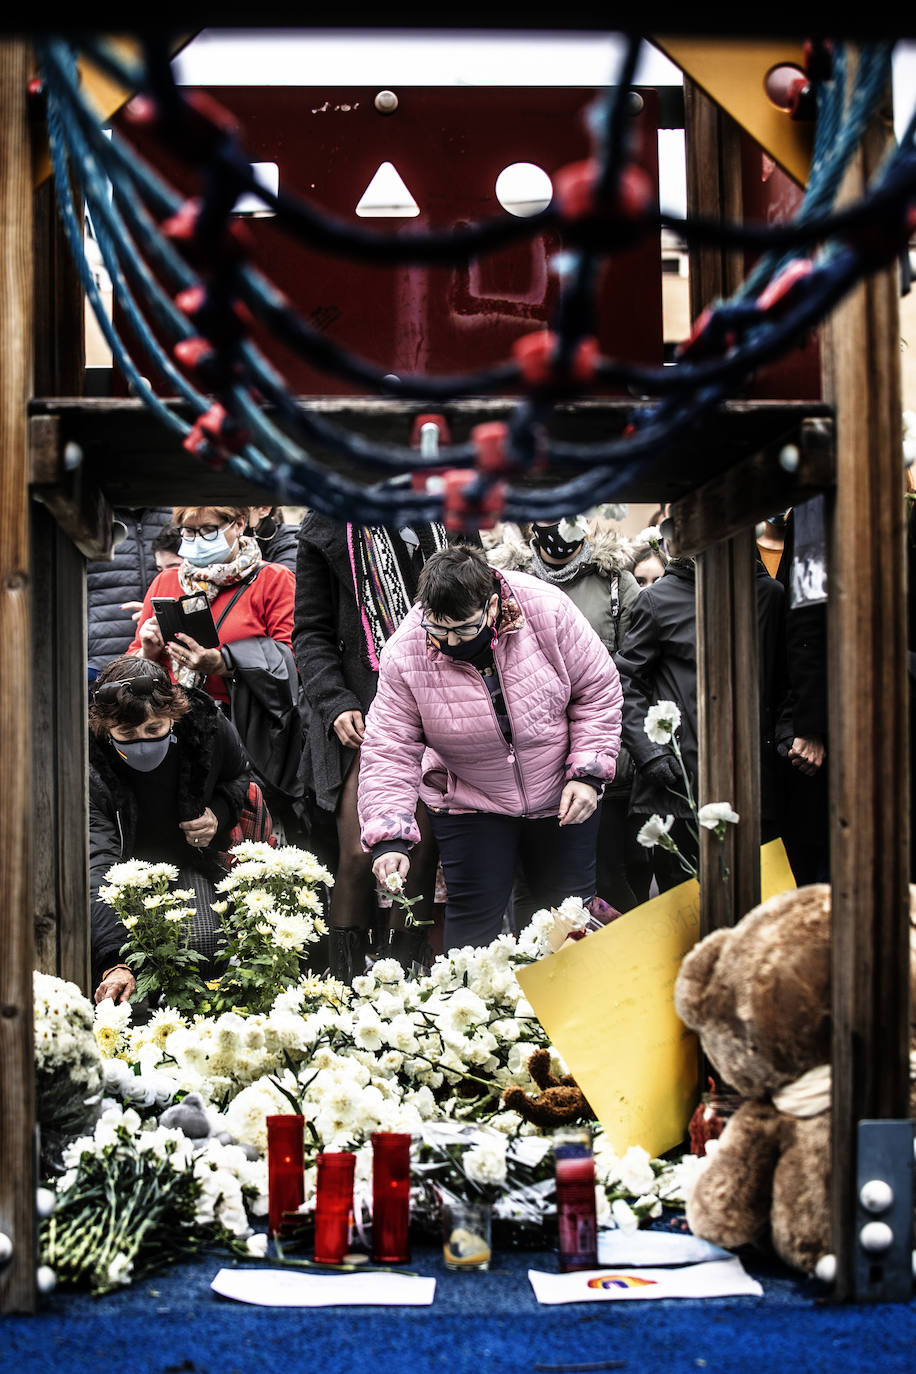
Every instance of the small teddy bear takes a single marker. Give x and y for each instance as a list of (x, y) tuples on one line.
[(758, 994), (561, 1099)]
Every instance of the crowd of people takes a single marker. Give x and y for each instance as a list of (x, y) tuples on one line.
[(460, 720)]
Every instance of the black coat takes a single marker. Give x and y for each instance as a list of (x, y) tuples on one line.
[(282, 547), (330, 649), (657, 662), (124, 577), (212, 771)]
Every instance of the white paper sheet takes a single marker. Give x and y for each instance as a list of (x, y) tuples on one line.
[(718, 1279), (632, 1248), (288, 1288)]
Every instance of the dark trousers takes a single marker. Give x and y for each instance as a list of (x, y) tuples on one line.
[(479, 851)]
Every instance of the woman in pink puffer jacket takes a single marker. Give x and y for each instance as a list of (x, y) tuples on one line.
[(500, 708)]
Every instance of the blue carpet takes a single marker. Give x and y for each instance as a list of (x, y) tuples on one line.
[(173, 1324)]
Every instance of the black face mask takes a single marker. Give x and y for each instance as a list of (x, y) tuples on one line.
[(548, 540), (468, 648), (264, 530)]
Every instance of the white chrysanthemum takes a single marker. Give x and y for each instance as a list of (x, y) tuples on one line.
[(661, 721), (485, 1164), (714, 814), (623, 1215), (462, 1012), (651, 535), (655, 827), (635, 1172)]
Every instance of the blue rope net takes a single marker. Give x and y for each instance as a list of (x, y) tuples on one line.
[(181, 272)]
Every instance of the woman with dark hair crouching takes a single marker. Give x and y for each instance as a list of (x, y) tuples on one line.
[(167, 782), (500, 707)]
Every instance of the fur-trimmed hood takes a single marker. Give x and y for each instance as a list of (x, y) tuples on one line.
[(511, 552)]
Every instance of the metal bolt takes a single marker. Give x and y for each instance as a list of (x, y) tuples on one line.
[(876, 1237), (6, 1247), (788, 458), (73, 456), (386, 102), (45, 1201), (876, 1195), (635, 103), (825, 1269), (45, 1278)]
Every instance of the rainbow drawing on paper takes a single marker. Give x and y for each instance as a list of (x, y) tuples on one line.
[(621, 1281)]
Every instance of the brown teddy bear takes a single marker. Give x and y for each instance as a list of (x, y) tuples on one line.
[(759, 997), (561, 1099)]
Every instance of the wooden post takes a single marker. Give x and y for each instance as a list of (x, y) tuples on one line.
[(60, 832), (17, 1078), (727, 692), (868, 747)]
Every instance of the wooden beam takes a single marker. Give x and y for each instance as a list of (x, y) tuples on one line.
[(17, 1075), (60, 850), (868, 747), (728, 729), (132, 458), (753, 489)]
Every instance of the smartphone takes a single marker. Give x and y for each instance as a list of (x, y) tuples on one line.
[(190, 615)]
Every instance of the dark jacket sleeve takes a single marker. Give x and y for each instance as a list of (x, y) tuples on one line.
[(230, 780), (108, 934), (315, 636), (636, 663)]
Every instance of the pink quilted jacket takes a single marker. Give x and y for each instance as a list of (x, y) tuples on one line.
[(432, 731)]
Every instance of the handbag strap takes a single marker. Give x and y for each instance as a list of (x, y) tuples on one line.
[(235, 596)]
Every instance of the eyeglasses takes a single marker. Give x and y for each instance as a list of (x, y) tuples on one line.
[(207, 532), (137, 686), (462, 631)]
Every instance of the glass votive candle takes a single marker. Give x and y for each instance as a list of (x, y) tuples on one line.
[(333, 1205), (390, 1197), (577, 1227), (285, 1168)]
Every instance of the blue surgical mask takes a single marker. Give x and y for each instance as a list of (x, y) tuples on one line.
[(143, 754), (202, 552)]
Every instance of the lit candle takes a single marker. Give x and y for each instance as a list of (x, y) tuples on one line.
[(390, 1197), (577, 1227), (285, 1167), (333, 1206)]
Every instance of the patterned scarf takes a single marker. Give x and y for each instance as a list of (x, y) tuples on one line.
[(211, 581), (385, 577)]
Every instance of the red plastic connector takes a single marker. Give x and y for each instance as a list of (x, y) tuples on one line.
[(202, 126), (490, 440), (535, 355), (458, 513), (222, 429), (221, 325), (704, 342), (445, 433), (195, 355), (779, 295), (574, 191), (183, 228)]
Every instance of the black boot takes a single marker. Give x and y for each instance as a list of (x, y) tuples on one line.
[(348, 947), (410, 947)]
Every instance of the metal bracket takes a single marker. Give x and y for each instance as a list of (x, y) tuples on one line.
[(883, 1267)]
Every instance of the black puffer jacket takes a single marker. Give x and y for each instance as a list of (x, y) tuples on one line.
[(125, 577), (282, 547), (212, 771), (658, 662)]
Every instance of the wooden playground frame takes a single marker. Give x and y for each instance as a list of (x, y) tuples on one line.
[(54, 514)]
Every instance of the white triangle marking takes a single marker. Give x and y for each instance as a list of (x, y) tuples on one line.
[(386, 196)]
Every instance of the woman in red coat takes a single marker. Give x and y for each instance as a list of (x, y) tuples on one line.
[(252, 673)]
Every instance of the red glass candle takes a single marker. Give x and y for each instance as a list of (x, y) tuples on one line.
[(333, 1205), (390, 1197), (577, 1230), (285, 1167)]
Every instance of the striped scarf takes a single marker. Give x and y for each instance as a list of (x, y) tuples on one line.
[(385, 577)]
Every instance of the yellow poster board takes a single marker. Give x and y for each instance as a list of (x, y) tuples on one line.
[(607, 1004)]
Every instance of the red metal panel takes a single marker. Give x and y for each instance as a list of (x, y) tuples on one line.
[(449, 144)]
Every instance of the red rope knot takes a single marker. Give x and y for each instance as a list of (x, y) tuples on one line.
[(536, 356)]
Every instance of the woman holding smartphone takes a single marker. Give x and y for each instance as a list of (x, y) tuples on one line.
[(252, 672)]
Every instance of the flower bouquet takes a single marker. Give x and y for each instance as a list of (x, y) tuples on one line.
[(157, 917), (68, 1065)]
